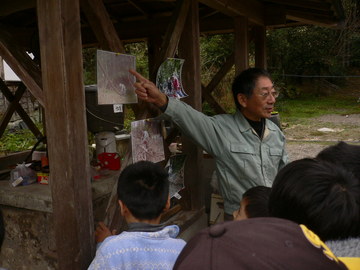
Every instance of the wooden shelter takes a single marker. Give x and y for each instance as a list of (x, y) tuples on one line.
[(55, 31)]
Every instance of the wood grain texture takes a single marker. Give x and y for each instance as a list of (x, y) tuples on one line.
[(189, 49), (61, 61)]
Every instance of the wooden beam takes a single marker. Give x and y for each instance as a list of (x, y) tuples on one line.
[(275, 15), (101, 24), (22, 64), (260, 48), (323, 5), (241, 44), (189, 49), (173, 33), (61, 62), (311, 19), (253, 9), (143, 29), (15, 106)]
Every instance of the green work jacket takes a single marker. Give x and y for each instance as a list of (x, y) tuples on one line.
[(243, 159)]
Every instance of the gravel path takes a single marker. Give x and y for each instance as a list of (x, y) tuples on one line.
[(305, 140)]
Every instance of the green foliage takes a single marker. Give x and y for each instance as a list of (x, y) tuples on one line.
[(18, 140), (214, 50), (89, 64), (141, 53), (306, 50)]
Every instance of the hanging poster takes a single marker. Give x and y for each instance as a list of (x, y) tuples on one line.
[(175, 169), (115, 84), (146, 141), (168, 78)]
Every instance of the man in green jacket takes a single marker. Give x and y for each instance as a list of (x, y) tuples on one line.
[(248, 148)]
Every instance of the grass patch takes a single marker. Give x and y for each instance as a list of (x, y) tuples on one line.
[(293, 110)]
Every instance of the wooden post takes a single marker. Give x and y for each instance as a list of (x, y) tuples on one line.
[(154, 47), (62, 76), (189, 49), (241, 44), (260, 48)]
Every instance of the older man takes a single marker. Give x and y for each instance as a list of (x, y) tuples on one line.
[(248, 149)]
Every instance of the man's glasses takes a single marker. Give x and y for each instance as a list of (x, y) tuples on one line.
[(266, 94)]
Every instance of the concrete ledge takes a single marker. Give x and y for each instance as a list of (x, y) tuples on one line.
[(38, 197)]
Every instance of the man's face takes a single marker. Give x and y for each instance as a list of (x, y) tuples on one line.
[(261, 103)]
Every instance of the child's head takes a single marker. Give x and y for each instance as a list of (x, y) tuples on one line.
[(254, 203), (321, 195), (144, 188), (346, 155)]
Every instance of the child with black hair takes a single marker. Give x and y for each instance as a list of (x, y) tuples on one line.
[(254, 203), (143, 192), (325, 197)]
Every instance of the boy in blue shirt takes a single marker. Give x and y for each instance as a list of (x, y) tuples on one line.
[(143, 192)]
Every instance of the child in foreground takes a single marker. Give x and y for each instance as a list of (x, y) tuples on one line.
[(143, 192)]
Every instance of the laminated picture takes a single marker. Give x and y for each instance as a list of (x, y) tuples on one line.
[(115, 84), (175, 169), (146, 141), (168, 78)]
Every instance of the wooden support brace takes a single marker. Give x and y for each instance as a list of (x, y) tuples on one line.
[(173, 33), (15, 106), (22, 64), (225, 68), (212, 102), (102, 26)]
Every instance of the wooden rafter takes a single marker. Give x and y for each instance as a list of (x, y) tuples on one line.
[(303, 4), (102, 26), (310, 18), (174, 31), (22, 64), (15, 106), (250, 8), (138, 7)]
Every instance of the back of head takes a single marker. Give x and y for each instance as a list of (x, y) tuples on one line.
[(257, 200), (257, 243), (245, 82), (324, 197), (144, 188), (343, 154)]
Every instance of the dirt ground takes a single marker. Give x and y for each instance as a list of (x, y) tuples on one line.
[(308, 139)]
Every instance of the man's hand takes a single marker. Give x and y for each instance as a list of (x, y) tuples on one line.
[(147, 91), (102, 232)]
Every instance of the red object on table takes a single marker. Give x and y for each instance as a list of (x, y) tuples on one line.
[(109, 161)]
